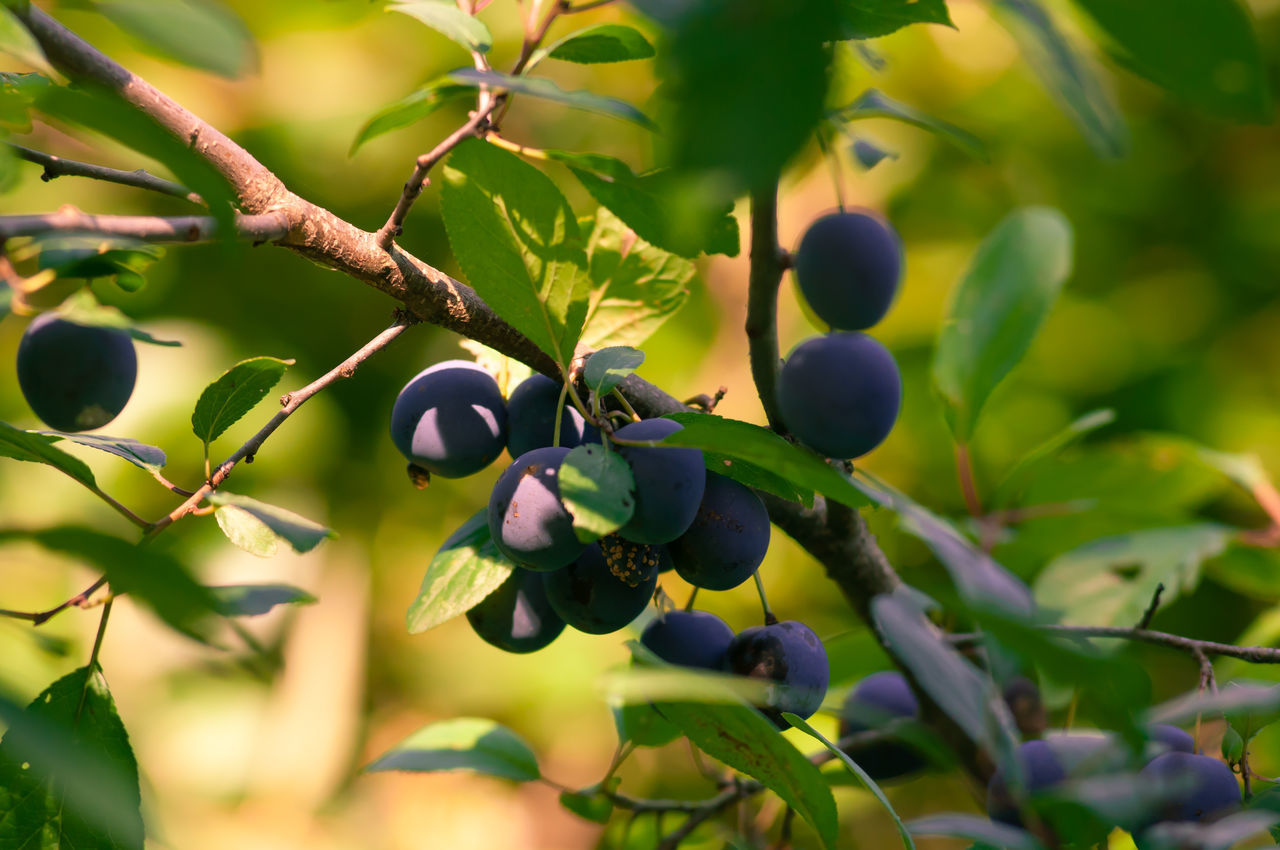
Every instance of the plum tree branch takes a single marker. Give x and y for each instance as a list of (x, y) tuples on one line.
[(1252, 654), (268, 227), (762, 300), (56, 166)]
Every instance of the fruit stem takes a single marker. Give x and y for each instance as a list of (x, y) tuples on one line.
[(555, 434), (968, 488), (688, 606), (833, 159), (626, 405), (769, 619)]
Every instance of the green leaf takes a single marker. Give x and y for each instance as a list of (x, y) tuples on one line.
[(467, 568), (1016, 478), (545, 89), (200, 34), (641, 724), (997, 309), (252, 600), (1110, 582), (39, 448), (447, 19), (597, 488), (300, 533), (1221, 834), (606, 368), (247, 531), (1232, 745), (465, 743), (760, 447), (16, 41), (594, 807), (633, 292), (83, 308), (150, 575), (975, 828), (875, 104), (149, 458), (1069, 77), (409, 110), (1205, 52), (873, 18), (234, 394), (645, 204), (1248, 707), (89, 255), (517, 240), (601, 43), (507, 371), (1245, 470), (866, 780), (68, 777)]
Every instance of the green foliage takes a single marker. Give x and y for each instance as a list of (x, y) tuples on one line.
[(465, 743), (593, 807), (409, 109), (236, 391), (598, 44), (467, 568), (253, 600), (198, 33), (606, 368), (256, 526), (141, 455), (448, 20), (975, 828), (546, 89), (873, 103), (872, 18), (83, 308), (34, 447), (597, 488)]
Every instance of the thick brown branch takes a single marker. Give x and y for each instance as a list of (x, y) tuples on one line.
[(56, 166), (270, 227)]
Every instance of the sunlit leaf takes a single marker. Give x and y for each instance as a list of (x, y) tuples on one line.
[(300, 533), (202, 34), (237, 391), (139, 454), (253, 600), (601, 43), (597, 488), (447, 19), (467, 568), (545, 89), (872, 18), (469, 744), (409, 110)]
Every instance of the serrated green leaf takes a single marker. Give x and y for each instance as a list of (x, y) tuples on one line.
[(873, 18), (1021, 471), (645, 204), (752, 474), (517, 240), (742, 441), (594, 807), (1068, 77), (68, 777), (39, 448), (447, 19), (253, 600), (300, 533), (150, 575), (601, 43), (975, 828), (997, 308), (545, 89), (236, 391), (1205, 52), (863, 777), (1110, 582), (196, 33), (466, 743), (875, 104), (147, 457), (408, 110), (606, 368), (597, 488), (467, 568), (247, 531), (16, 41)]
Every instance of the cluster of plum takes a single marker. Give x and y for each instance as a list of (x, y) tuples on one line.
[(75, 377), (1183, 786), (452, 421)]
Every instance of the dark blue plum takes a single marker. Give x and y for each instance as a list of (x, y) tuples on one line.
[(517, 617), (689, 639), (669, 483), (450, 419), (788, 653), (526, 519), (1023, 698), (728, 538), (75, 377), (607, 587), (1171, 738), (840, 393), (1041, 769), (531, 418), (876, 701), (1199, 788), (848, 267)]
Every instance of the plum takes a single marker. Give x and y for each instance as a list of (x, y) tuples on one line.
[(848, 266), (1042, 768), (840, 393), (874, 702), (527, 521), (531, 418), (75, 377), (1023, 698), (728, 538), (517, 617), (450, 419), (607, 587), (1170, 738), (689, 639), (1199, 788), (788, 653), (669, 483)]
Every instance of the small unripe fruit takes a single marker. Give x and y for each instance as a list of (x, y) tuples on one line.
[(848, 266), (689, 638), (450, 419), (790, 654), (527, 521), (669, 483), (75, 377)]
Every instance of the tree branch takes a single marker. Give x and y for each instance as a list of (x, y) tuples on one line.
[(762, 300), (1252, 654), (269, 227), (56, 166)]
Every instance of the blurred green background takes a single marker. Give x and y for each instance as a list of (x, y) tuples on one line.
[(1172, 318)]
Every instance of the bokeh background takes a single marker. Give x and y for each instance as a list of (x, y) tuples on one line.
[(1172, 318)]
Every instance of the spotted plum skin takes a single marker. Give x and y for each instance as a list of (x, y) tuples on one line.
[(840, 394), (1041, 769), (531, 418), (527, 521), (790, 654), (848, 267), (450, 419), (607, 587), (517, 617), (75, 377), (669, 483), (879, 699), (728, 538), (689, 639), (1202, 787)]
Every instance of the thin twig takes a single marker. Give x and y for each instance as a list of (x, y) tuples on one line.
[(268, 227), (1151, 609), (38, 617), (762, 301), (56, 166), (566, 9), (1252, 654), (968, 487)]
